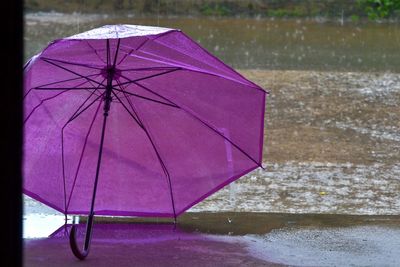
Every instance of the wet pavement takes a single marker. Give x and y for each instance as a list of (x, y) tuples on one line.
[(142, 244), (355, 246), (228, 239)]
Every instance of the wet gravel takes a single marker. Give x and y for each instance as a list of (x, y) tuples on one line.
[(332, 145), (332, 142)]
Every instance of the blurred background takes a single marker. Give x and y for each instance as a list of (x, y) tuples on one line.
[(332, 68), (268, 34)]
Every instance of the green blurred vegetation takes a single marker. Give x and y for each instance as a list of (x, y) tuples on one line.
[(380, 9), (352, 9), (216, 9)]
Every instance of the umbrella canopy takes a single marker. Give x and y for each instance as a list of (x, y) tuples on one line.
[(144, 116)]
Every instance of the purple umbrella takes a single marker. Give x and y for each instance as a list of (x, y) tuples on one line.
[(128, 120)]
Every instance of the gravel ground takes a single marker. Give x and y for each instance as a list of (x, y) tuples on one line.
[(332, 143)]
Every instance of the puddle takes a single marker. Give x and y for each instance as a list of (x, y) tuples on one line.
[(356, 246)]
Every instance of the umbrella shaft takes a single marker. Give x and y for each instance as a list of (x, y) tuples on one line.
[(99, 161), (107, 103), (107, 99)]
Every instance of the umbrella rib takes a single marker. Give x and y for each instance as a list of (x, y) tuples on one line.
[(116, 52), (202, 62), (68, 80), (84, 102), (142, 44), (27, 63), (164, 45), (80, 158), (72, 79), (76, 87), (165, 171), (88, 106), (133, 49), (149, 68), (148, 77), (41, 102), (98, 86), (208, 126), (164, 168), (73, 72), (123, 90), (27, 93), (140, 123), (133, 117), (71, 63), (130, 104), (184, 66), (108, 52), (161, 60), (95, 51), (147, 98), (126, 55), (49, 98), (151, 91), (66, 88), (225, 77)]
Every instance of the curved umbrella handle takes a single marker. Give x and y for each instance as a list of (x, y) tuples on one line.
[(73, 243)]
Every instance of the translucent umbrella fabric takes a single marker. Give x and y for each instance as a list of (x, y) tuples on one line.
[(181, 124)]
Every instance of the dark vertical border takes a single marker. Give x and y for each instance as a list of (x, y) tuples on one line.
[(11, 128)]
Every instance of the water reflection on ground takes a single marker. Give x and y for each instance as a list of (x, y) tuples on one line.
[(248, 239), (140, 245)]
